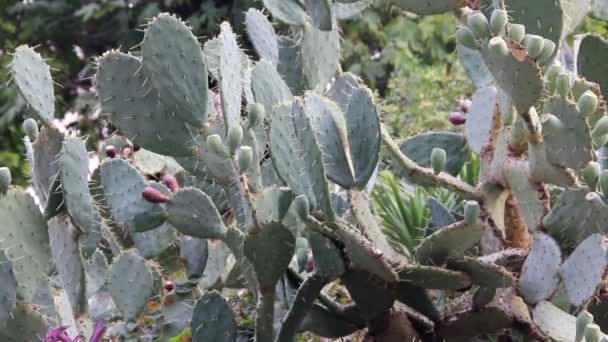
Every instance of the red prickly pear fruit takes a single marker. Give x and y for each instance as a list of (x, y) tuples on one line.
[(152, 195), (136, 147), (171, 182), (127, 152), (457, 118), (464, 105), (310, 264), (169, 285), (110, 151)]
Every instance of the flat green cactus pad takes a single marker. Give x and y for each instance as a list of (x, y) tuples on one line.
[(449, 242), (288, 11), (474, 66), (583, 271), (25, 241), (33, 78), (272, 204), (570, 146), (323, 322), (327, 257), (321, 13), (123, 186), (173, 60), (418, 148), (554, 322), (575, 216), (136, 109), (130, 282), (230, 73), (430, 277), (193, 213), (347, 9), (262, 35), (592, 51), (418, 299), (213, 319), (532, 198), (154, 242), (195, 253), (440, 215), (342, 89), (319, 65), (538, 279), (290, 65), (45, 165), (483, 273), (26, 324), (268, 87), (426, 7), (8, 291), (480, 116), (270, 251)]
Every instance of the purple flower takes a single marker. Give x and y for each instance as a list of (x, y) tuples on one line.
[(59, 335), (98, 330)]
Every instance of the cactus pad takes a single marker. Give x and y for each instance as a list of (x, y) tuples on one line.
[(268, 87), (448, 242), (430, 277), (130, 282), (479, 117), (426, 7), (272, 204), (538, 279), (26, 324), (152, 243), (45, 166), (194, 252), (8, 292), (262, 35), (230, 73), (193, 213), (592, 50), (327, 258), (483, 273), (583, 270), (532, 198), (321, 13), (319, 65), (288, 11), (213, 319), (418, 148), (347, 9), (33, 79), (554, 322)]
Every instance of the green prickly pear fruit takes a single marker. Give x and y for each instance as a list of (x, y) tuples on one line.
[(583, 319), (30, 127), (551, 74), (562, 84), (235, 136), (217, 146), (255, 112), (245, 156), (478, 23), (600, 131), (471, 211), (591, 174), (5, 180), (498, 21), (534, 44), (519, 134), (551, 124), (516, 33), (548, 49), (153, 195), (604, 182), (498, 46), (587, 103), (593, 333), (438, 160), (302, 206), (467, 38)]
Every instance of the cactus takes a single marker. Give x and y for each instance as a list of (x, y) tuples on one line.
[(272, 197)]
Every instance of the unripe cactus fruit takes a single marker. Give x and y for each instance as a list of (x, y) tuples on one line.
[(153, 195), (30, 127), (593, 333), (302, 206), (235, 136), (255, 112), (591, 174), (587, 103), (457, 118), (216, 145), (534, 44), (600, 130), (498, 21), (110, 151), (478, 23), (516, 33), (498, 46), (548, 49), (583, 319), (551, 124), (5, 180), (245, 156), (604, 182), (551, 75), (471, 211), (467, 38), (170, 182), (438, 160), (562, 84)]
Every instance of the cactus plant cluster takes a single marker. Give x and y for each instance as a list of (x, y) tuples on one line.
[(263, 184)]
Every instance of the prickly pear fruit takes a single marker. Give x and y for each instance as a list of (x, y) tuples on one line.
[(457, 118), (498, 46), (471, 211), (310, 264), (498, 21), (170, 182), (551, 124), (245, 156), (534, 44), (478, 23), (551, 74), (302, 206), (587, 103), (216, 145), (467, 38), (601, 127), (591, 174), (438, 160), (127, 152), (583, 319), (464, 105), (235, 136), (152, 195), (562, 83), (548, 49), (110, 151), (604, 182), (169, 285), (516, 33), (30, 127), (593, 333), (255, 113), (5, 180), (136, 147)]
